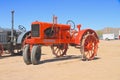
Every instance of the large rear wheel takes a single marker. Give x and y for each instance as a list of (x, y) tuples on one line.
[(89, 47), (59, 49), (35, 54), (26, 54), (1, 49)]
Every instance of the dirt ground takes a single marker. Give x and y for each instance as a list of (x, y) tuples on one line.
[(106, 65)]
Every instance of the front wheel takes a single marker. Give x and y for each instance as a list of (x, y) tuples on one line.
[(35, 54), (26, 54), (89, 47)]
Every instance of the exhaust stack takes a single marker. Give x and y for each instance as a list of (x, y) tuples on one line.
[(12, 37)]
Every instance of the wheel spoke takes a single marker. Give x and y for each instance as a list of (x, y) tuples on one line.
[(87, 54), (55, 49), (58, 51), (90, 52)]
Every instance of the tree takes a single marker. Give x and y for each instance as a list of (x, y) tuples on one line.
[(99, 33)]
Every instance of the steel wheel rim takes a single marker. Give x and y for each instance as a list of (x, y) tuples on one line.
[(59, 50), (90, 47)]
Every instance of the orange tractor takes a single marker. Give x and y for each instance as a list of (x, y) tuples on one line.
[(58, 37)]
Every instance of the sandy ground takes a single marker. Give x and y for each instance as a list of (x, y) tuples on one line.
[(106, 66)]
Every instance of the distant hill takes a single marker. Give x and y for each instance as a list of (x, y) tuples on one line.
[(108, 30)]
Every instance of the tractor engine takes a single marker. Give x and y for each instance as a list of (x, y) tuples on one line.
[(47, 33)]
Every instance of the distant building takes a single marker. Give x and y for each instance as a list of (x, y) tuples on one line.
[(115, 31), (119, 34)]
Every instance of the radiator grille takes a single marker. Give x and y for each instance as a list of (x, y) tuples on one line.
[(3, 38), (35, 30)]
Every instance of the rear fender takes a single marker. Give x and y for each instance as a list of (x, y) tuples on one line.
[(22, 36), (81, 34)]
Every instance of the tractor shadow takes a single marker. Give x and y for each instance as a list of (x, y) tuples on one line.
[(56, 59), (9, 55), (96, 58), (69, 57)]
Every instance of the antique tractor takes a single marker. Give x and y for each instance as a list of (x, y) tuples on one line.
[(58, 37), (11, 40)]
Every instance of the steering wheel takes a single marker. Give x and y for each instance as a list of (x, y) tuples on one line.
[(22, 28), (72, 24)]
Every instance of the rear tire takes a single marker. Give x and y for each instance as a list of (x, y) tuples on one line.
[(1, 50), (35, 54), (26, 54)]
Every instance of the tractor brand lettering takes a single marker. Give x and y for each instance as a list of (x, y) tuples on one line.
[(49, 40)]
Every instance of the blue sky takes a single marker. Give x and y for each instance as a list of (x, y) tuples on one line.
[(95, 14)]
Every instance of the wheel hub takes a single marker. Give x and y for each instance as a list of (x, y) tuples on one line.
[(89, 46)]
